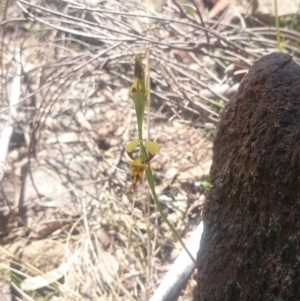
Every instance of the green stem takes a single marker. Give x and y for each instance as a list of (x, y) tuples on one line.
[(149, 177), (277, 27), (140, 109)]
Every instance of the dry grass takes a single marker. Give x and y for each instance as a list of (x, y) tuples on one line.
[(62, 206)]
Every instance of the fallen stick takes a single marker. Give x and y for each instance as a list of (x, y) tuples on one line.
[(181, 270), (7, 130)]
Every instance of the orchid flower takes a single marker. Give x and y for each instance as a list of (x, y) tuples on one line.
[(140, 163)]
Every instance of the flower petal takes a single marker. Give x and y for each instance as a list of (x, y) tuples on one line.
[(130, 147), (152, 147)]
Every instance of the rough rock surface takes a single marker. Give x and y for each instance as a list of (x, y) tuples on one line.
[(250, 248)]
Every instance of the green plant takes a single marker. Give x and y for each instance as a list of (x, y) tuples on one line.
[(148, 149), (206, 184)]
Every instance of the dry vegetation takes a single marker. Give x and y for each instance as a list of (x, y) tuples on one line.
[(63, 211)]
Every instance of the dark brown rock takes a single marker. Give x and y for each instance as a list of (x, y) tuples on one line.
[(250, 248)]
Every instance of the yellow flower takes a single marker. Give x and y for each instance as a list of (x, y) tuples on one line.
[(139, 164), (133, 89)]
